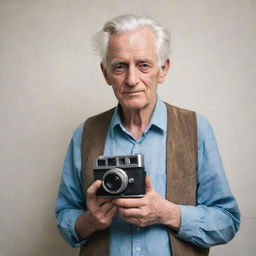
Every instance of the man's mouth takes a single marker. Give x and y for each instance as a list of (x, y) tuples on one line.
[(132, 93)]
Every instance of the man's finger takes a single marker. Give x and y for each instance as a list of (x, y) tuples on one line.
[(111, 213), (148, 185), (103, 200), (133, 221), (91, 191), (129, 202), (106, 207), (130, 212)]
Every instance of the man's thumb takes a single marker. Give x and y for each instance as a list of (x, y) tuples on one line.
[(148, 185)]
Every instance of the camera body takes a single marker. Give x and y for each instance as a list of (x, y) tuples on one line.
[(121, 176)]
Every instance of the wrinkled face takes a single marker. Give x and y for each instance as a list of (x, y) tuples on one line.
[(133, 70)]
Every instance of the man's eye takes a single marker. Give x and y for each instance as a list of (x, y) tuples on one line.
[(144, 66), (119, 67)]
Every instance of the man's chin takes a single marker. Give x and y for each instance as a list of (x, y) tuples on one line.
[(134, 105)]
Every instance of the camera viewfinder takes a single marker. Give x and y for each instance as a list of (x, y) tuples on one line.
[(133, 160), (101, 162), (121, 161), (111, 162)]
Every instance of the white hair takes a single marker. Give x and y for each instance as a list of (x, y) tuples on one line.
[(125, 23)]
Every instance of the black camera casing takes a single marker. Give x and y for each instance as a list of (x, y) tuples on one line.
[(129, 171)]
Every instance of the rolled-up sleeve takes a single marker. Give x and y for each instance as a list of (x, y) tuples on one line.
[(70, 200), (215, 219)]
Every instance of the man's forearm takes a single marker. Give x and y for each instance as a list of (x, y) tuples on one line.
[(85, 225), (208, 226)]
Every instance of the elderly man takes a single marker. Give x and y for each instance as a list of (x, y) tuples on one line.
[(188, 206)]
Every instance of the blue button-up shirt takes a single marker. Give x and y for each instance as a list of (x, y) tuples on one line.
[(214, 220)]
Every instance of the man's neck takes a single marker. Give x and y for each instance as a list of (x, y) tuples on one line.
[(136, 121)]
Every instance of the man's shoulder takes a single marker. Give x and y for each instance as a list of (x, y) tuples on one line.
[(202, 122), (100, 117), (92, 121), (178, 109), (203, 125)]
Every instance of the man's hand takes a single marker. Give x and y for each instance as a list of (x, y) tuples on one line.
[(101, 209), (99, 215), (151, 209)]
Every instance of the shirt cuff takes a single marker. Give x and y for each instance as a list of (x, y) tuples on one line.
[(191, 220), (77, 241), (67, 228)]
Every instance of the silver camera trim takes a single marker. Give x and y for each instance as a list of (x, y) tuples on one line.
[(123, 176), (127, 164)]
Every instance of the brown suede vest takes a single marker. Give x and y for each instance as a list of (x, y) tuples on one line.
[(181, 162)]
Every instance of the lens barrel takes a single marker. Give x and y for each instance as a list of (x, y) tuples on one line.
[(115, 181)]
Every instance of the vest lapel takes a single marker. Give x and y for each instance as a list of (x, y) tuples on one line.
[(181, 163), (93, 141)]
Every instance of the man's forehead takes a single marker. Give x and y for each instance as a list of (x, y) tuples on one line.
[(140, 31), (123, 56), (126, 52), (139, 43)]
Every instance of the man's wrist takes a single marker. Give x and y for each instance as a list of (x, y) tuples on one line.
[(171, 216), (85, 225)]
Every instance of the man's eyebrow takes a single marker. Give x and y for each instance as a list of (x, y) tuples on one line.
[(145, 61), (122, 62), (117, 62)]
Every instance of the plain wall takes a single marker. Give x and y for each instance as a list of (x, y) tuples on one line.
[(50, 81)]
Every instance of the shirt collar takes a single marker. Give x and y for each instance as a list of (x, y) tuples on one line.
[(159, 117), (158, 120)]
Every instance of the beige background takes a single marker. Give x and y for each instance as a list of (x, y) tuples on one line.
[(50, 82)]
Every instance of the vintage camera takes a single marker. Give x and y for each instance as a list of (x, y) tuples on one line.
[(122, 176)]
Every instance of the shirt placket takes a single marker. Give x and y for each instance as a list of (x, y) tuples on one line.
[(137, 241), (136, 148)]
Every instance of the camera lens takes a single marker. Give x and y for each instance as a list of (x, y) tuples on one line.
[(115, 181)]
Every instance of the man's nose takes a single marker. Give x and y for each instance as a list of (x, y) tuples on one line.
[(132, 77)]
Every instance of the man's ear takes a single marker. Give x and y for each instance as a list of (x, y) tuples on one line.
[(164, 71), (104, 71)]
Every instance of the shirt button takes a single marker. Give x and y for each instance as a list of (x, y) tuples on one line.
[(138, 249), (136, 146)]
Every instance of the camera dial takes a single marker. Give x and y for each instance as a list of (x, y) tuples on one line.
[(115, 181)]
